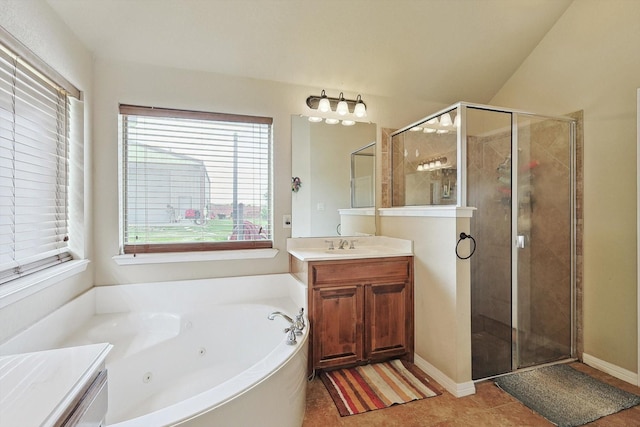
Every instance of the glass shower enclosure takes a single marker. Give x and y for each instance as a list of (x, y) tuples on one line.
[(517, 171)]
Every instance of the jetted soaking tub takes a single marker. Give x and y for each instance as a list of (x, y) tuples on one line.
[(192, 353)]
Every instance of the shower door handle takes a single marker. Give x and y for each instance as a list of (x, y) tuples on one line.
[(520, 242)]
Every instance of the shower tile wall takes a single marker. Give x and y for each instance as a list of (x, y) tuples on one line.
[(385, 159), (545, 317), (491, 225)]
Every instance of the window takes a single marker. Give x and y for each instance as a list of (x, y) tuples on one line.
[(194, 181), (34, 162)]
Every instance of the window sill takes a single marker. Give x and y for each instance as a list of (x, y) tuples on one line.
[(23, 287), (163, 258)]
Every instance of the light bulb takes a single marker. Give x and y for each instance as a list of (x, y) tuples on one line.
[(438, 163), (348, 123), (331, 121), (446, 120), (456, 121), (360, 110), (343, 107), (415, 129), (324, 106), (315, 119), (420, 167)]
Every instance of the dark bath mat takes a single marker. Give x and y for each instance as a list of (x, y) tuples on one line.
[(565, 396)]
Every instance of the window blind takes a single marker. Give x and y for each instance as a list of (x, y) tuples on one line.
[(33, 169), (195, 180)]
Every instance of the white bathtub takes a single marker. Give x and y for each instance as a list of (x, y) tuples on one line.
[(192, 353)]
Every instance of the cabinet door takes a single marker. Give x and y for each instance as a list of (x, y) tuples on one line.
[(387, 324), (337, 326)]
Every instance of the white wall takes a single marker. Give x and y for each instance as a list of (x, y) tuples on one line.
[(35, 25), (590, 61), (442, 292), (120, 82)]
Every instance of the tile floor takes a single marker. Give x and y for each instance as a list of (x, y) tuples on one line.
[(490, 406)]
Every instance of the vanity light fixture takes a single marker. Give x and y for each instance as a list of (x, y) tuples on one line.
[(442, 126), (340, 105), (432, 164)]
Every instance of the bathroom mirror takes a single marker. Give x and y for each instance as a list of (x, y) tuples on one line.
[(321, 165), (363, 169)]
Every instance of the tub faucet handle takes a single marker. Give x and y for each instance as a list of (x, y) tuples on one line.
[(300, 324), (291, 335)]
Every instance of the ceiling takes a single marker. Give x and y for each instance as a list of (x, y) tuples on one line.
[(432, 50)]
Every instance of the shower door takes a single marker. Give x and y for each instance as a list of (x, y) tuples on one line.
[(543, 229), (519, 170)]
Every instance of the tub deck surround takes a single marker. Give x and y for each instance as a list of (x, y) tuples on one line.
[(317, 248), (39, 388), (195, 352)]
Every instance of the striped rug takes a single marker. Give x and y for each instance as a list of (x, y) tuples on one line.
[(376, 386)]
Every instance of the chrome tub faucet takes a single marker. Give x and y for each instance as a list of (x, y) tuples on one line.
[(295, 326)]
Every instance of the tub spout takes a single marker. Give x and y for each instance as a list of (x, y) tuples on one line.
[(279, 313)]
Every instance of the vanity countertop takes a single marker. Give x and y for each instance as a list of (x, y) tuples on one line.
[(36, 388), (318, 249)]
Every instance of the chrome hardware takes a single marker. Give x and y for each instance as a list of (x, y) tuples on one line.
[(351, 246), (295, 326), (343, 243), (291, 335), (520, 242), (330, 242), (279, 313), (299, 324)]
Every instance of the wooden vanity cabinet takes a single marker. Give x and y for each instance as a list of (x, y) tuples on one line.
[(360, 310)]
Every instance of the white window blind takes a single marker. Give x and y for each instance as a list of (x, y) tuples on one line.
[(33, 169), (195, 180)]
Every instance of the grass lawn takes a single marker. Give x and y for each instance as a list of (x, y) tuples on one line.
[(214, 230)]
